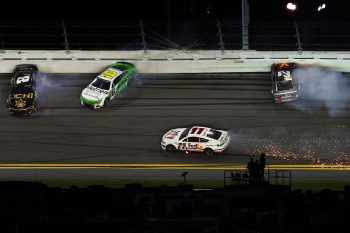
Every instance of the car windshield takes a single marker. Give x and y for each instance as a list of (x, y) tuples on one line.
[(101, 83), (184, 133), (21, 89), (285, 85), (214, 134), (23, 73)]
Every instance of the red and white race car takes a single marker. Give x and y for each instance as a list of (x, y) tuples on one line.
[(197, 139)]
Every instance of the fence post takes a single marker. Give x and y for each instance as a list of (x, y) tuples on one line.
[(2, 49), (290, 179), (245, 25), (168, 10), (66, 44), (299, 45), (221, 42), (305, 27), (143, 36)]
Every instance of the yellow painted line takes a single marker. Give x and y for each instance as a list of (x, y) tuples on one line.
[(101, 165), (170, 166), (46, 168)]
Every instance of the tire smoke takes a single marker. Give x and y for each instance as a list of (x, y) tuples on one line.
[(322, 88)]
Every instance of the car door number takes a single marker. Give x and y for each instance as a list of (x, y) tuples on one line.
[(182, 146)]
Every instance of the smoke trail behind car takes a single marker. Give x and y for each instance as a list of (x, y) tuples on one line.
[(47, 86), (322, 88), (58, 93)]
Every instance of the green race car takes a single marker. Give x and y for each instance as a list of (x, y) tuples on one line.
[(108, 85)]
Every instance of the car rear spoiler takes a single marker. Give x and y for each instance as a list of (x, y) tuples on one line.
[(26, 67)]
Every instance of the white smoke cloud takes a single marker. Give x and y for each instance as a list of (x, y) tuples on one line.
[(322, 88), (136, 80), (55, 93), (47, 86)]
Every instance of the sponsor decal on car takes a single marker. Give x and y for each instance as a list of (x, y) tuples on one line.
[(20, 103), (194, 146), (110, 73), (92, 88), (25, 96)]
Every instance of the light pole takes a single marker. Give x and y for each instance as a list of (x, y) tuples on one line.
[(292, 7), (184, 175)]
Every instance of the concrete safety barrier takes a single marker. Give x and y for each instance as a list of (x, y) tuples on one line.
[(170, 61)]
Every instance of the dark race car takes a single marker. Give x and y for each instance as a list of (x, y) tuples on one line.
[(284, 87), (22, 97)]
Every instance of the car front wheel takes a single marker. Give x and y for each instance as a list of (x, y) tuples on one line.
[(208, 151), (105, 102), (170, 148)]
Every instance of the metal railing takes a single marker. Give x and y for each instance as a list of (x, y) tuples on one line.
[(242, 177)]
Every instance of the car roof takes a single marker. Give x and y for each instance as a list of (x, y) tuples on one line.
[(110, 74), (22, 73), (196, 131), (283, 77)]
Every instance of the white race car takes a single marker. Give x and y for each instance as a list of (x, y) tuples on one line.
[(197, 139)]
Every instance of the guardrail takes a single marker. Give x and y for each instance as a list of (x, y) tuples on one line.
[(275, 177), (170, 61)]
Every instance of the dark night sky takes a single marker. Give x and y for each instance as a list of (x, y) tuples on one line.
[(179, 9)]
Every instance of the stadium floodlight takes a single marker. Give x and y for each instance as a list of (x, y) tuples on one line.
[(321, 7), (291, 6)]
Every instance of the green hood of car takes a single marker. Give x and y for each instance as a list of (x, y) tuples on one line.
[(88, 101)]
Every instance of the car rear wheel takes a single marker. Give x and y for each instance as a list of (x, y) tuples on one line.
[(170, 148), (208, 151), (105, 102)]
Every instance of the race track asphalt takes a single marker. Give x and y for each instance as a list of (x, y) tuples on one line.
[(129, 129)]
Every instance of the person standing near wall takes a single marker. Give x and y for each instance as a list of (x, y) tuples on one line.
[(250, 169), (262, 162)]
